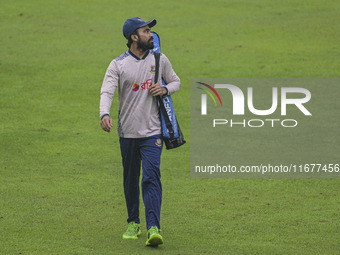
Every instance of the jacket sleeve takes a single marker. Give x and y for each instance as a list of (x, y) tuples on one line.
[(171, 79), (109, 86)]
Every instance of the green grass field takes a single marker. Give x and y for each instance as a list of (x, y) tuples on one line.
[(61, 176)]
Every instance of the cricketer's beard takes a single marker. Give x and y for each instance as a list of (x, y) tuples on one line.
[(144, 46)]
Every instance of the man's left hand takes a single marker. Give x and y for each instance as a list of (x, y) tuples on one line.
[(156, 90)]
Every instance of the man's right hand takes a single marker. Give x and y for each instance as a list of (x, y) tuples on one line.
[(106, 123)]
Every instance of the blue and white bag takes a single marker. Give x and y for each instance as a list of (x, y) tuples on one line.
[(171, 132)]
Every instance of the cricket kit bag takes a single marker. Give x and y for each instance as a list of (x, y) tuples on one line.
[(171, 132)]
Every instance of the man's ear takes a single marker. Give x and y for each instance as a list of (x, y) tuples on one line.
[(134, 38)]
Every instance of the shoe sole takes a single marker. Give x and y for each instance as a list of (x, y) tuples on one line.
[(132, 237), (154, 240)]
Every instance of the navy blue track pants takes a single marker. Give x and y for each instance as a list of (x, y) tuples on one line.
[(146, 152)]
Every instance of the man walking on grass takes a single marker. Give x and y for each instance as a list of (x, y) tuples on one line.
[(139, 126)]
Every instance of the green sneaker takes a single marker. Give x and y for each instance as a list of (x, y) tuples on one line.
[(133, 231), (154, 237)]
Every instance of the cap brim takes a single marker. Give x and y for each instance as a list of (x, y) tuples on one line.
[(151, 23)]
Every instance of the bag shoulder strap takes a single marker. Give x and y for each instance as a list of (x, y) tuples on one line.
[(157, 57), (161, 104)]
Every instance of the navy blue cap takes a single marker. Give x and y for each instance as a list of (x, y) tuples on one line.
[(132, 24)]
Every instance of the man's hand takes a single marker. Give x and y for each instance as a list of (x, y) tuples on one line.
[(157, 90), (106, 123)]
